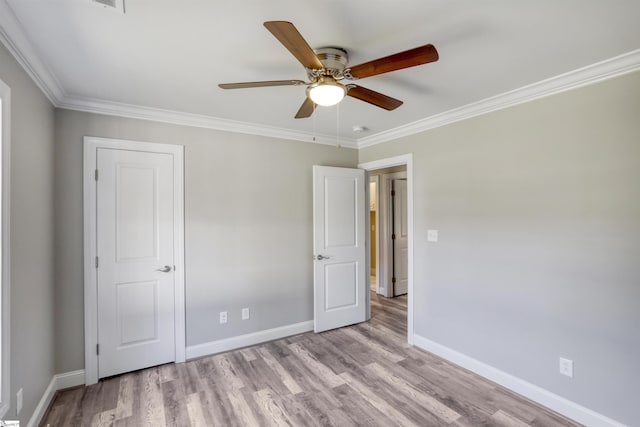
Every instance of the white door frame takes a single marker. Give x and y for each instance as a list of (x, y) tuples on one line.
[(91, 145), (385, 257), (376, 179), (405, 159)]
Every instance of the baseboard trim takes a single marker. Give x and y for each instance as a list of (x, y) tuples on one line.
[(58, 382), (240, 341), (544, 397)]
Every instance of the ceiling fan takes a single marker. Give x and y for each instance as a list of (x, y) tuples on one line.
[(328, 67)]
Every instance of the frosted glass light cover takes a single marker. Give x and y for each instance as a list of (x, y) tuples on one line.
[(327, 94)]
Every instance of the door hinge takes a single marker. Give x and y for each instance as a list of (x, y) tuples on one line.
[(97, 349), (96, 174), (97, 262), (393, 236), (393, 280), (393, 192)]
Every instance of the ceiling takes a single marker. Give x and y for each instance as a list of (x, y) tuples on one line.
[(164, 59)]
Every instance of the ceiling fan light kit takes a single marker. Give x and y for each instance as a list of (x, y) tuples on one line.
[(326, 67), (326, 92)]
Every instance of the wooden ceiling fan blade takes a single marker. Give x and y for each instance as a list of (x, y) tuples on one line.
[(398, 61), (306, 109), (289, 36), (373, 97), (266, 83)]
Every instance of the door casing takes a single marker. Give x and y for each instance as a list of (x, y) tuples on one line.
[(91, 144), (385, 255), (405, 159)]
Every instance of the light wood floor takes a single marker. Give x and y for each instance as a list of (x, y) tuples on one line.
[(360, 375)]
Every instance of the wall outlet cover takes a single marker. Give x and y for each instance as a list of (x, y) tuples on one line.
[(223, 317), (566, 367), (245, 313), (432, 235)]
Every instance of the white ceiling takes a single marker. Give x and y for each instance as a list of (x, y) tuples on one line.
[(170, 55)]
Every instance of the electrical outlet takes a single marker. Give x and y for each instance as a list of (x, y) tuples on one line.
[(432, 235), (223, 317), (245, 313), (18, 402), (566, 367)]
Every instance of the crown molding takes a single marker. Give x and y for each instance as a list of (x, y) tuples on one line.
[(13, 37), (197, 120), (614, 67)]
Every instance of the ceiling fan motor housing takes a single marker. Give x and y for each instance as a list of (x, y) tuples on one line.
[(334, 60)]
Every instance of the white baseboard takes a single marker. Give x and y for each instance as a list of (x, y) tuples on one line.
[(233, 343), (537, 394), (58, 382)]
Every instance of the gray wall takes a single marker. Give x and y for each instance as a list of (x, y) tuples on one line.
[(248, 213), (538, 212), (32, 224)]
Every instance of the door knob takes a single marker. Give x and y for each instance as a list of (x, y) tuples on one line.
[(164, 269), (321, 257)]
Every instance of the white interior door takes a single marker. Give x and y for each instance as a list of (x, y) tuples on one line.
[(339, 222), (401, 237), (135, 248)]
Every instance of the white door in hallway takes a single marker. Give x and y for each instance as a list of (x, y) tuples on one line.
[(135, 264), (339, 247), (400, 237)]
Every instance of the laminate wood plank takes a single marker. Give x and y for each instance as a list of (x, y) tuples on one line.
[(153, 413), (124, 406), (89, 405), (175, 406), (229, 376), (241, 408), (248, 354), (296, 411), (397, 418), (272, 412), (319, 413), (167, 372), (308, 381), (104, 418), (257, 374), (503, 419), (194, 409), (188, 376), (136, 380), (216, 409), (359, 410), (429, 403), (276, 367), (326, 374)]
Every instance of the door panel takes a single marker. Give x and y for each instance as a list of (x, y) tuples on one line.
[(135, 226), (339, 247), (340, 212), (137, 312), (338, 296), (401, 231), (136, 214)]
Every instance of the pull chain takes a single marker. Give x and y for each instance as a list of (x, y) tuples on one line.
[(338, 126), (314, 122)]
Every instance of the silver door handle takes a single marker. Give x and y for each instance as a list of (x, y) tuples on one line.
[(164, 269), (321, 257)]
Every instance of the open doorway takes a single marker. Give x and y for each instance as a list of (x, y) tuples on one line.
[(391, 260), (388, 237), (373, 231)]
